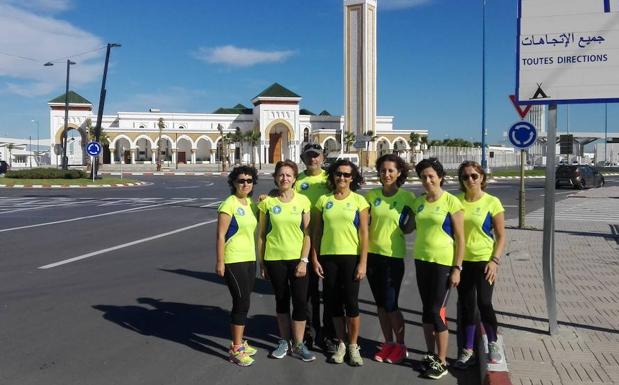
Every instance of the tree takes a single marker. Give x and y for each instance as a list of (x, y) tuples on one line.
[(161, 126), (424, 142), (372, 138), (237, 139), (253, 139), (349, 139), (413, 142), (10, 147)]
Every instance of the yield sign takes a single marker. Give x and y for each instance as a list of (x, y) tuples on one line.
[(521, 111)]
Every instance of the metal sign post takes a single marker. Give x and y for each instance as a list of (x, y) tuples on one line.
[(522, 135)]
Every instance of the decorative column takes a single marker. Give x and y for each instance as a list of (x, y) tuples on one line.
[(174, 155), (265, 153), (112, 154), (193, 155), (212, 159), (134, 152)]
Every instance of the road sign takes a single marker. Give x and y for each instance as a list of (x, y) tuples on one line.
[(522, 134), (566, 51), (521, 111), (566, 144), (359, 144), (93, 148)]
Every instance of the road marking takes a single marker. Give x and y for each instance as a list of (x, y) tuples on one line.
[(41, 207), (211, 204), (91, 216), (510, 206), (124, 245)]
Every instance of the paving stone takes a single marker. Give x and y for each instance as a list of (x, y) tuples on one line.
[(582, 372), (561, 349)]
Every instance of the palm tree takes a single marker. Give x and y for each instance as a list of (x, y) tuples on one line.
[(237, 139), (161, 126), (10, 147), (253, 138), (372, 138), (413, 142), (349, 138)]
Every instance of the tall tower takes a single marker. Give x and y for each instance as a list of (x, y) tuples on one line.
[(359, 66)]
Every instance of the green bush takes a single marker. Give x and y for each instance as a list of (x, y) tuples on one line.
[(46, 173)]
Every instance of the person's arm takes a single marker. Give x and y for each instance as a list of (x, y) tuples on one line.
[(457, 220), (223, 222), (305, 250), (317, 238), (498, 224), (409, 225), (363, 245), (262, 230)]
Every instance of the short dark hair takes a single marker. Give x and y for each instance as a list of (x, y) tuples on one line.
[(478, 168), (285, 163), (431, 163), (238, 170), (400, 164), (357, 179)]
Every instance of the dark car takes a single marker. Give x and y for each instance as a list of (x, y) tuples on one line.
[(4, 167), (578, 176)]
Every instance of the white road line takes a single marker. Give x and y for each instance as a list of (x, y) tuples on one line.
[(90, 216), (41, 207), (212, 204), (122, 246), (510, 206)]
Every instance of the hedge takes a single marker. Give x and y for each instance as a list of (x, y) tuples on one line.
[(46, 173)]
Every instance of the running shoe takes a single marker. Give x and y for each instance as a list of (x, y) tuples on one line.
[(467, 358), (281, 350), (250, 350), (240, 357), (340, 353), (383, 353), (328, 345), (436, 370), (301, 351), (494, 353), (428, 359), (354, 357), (397, 354)]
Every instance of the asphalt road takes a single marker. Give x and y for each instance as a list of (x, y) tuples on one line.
[(117, 286)]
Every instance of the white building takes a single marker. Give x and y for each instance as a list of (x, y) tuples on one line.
[(23, 153)]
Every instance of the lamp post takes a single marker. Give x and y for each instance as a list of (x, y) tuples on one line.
[(484, 162), (95, 166), (37, 154), (65, 160), (605, 132)]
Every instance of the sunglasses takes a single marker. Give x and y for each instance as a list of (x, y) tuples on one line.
[(312, 146), (343, 174), (471, 176), (245, 181)]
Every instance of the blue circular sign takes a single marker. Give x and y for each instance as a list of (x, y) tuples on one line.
[(522, 134), (93, 148)]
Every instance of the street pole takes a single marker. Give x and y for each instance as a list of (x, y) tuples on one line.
[(65, 160), (37, 152), (605, 132), (548, 247), (521, 214), (30, 149), (484, 162), (95, 166)]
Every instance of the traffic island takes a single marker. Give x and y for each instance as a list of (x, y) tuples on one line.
[(69, 183)]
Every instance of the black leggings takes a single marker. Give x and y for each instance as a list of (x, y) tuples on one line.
[(240, 278), (385, 278), (473, 280), (341, 289), (286, 286), (433, 284)]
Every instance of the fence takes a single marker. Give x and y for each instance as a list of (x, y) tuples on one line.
[(452, 157)]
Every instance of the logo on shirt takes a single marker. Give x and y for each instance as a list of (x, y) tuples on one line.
[(377, 202), (420, 208), (304, 186), (294, 209), (277, 209), (240, 211), (329, 205)]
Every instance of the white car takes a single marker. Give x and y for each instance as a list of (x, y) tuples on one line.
[(335, 156)]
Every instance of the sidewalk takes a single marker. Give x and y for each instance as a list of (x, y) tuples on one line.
[(586, 349)]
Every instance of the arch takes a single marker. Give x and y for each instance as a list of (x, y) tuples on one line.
[(144, 136), (117, 138), (209, 140), (383, 146), (283, 122), (203, 148), (184, 137), (60, 131), (144, 146), (399, 139), (281, 140), (383, 139), (330, 144)]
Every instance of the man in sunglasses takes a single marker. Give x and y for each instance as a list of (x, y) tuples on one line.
[(313, 184)]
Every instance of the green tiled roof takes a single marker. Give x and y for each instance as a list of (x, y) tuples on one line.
[(240, 106), (234, 110), (324, 113), (304, 111), (278, 91), (74, 98)]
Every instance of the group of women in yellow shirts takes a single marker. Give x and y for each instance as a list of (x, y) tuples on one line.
[(320, 223)]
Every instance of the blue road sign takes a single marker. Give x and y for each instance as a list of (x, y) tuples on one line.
[(522, 134), (93, 148)]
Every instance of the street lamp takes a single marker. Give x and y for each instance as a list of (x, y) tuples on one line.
[(37, 156), (65, 160), (102, 102), (484, 162)]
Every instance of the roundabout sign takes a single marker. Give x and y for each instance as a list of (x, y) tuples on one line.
[(522, 134)]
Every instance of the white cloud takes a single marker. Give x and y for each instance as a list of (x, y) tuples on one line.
[(35, 40), (240, 57), (41, 5), (400, 4)]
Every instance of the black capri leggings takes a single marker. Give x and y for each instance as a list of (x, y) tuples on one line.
[(432, 281), (385, 277), (286, 286), (473, 280), (341, 289), (240, 278)]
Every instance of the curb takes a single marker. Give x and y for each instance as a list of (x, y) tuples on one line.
[(171, 173), (74, 186), (491, 374)]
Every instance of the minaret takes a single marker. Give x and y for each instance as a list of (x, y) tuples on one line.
[(359, 66)]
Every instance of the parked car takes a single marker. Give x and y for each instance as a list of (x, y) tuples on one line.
[(578, 176), (334, 156), (4, 167)]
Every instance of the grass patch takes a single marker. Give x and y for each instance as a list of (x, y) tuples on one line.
[(64, 182)]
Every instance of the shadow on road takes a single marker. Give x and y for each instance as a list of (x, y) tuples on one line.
[(186, 324), (262, 286)]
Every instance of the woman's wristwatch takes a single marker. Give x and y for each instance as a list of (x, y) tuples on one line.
[(305, 259), (459, 267), (496, 260)]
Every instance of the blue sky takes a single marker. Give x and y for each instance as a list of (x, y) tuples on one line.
[(198, 55)]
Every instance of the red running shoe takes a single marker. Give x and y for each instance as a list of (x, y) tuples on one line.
[(384, 352)]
